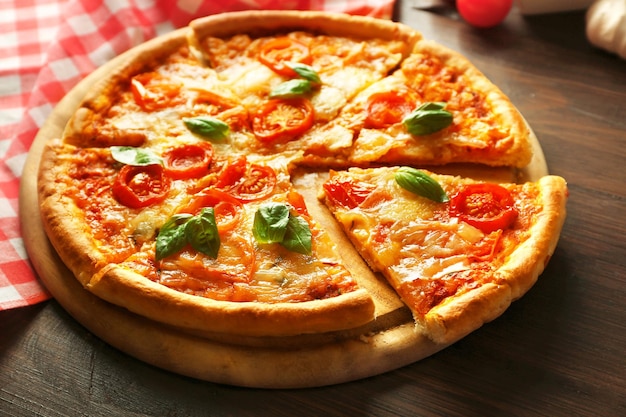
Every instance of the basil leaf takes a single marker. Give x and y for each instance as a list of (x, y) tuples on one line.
[(207, 127), (201, 233), (171, 237), (293, 88), (420, 183), (298, 236), (130, 155), (305, 71), (270, 223), (427, 119)]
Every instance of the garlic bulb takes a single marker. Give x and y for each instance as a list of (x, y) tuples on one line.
[(606, 25)]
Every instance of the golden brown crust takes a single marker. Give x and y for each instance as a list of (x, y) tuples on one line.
[(272, 22), (528, 261), (62, 219), (142, 296), (461, 315)]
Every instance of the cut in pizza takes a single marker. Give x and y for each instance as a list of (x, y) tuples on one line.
[(171, 192)]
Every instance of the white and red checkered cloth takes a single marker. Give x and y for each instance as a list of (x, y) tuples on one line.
[(46, 47)]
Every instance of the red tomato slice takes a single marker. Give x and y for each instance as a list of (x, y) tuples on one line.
[(189, 161), (388, 108), (152, 91), (232, 172), (141, 186), (247, 182), (277, 52), (227, 209), (283, 120), (488, 207), (346, 192)]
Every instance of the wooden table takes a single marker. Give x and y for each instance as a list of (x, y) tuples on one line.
[(559, 351)]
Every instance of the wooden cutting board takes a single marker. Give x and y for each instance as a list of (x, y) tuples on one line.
[(387, 343)]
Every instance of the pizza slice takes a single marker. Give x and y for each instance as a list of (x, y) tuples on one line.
[(436, 109), (457, 251), (205, 243), (294, 81), (161, 94)]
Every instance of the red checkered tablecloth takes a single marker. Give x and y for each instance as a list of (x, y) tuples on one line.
[(46, 47)]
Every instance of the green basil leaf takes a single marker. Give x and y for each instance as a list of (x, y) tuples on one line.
[(305, 71), (296, 87), (427, 119), (201, 233), (420, 183), (207, 127), (298, 236), (171, 238), (130, 155), (270, 223)]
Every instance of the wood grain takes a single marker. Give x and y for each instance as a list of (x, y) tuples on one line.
[(557, 352)]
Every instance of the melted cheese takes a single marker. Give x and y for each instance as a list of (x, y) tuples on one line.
[(400, 234)]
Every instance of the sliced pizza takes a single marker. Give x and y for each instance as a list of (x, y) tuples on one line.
[(436, 109), (295, 81), (213, 245), (161, 95), (457, 251)]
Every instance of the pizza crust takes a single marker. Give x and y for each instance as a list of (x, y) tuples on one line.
[(62, 219), (142, 296), (273, 22), (529, 260), (459, 316)]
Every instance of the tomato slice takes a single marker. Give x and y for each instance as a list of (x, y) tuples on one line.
[(347, 192), (247, 182), (488, 207), (227, 209), (189, 161), (388, 107), (153, 91), (283, 120), (277, 52), (141, 186)]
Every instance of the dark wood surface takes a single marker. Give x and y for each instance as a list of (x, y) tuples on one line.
[(559, 351)]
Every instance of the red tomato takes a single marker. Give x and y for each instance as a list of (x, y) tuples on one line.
[(488, 207), (189, 161), (227, 209), (247, 182), (388, 108), (346, 192), (277, 52), (141, 186), (283, 120), (152, 91), (484, 13)]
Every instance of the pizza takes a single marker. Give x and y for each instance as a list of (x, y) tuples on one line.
[(457, 251), (193, 185)]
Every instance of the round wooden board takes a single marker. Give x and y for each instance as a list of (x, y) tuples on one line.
[(388, 344)]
